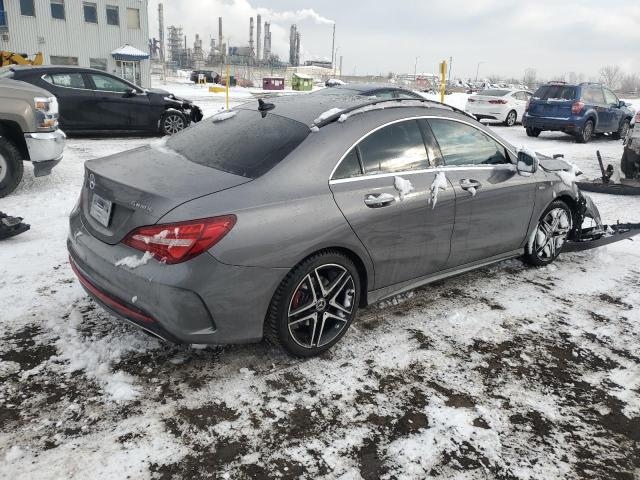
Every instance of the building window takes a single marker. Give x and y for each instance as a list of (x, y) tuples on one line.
[(133, 18), (98, 63), (57, 60), (113, 17), (90, 12), (57, 9), (27, 8), (3, 15)]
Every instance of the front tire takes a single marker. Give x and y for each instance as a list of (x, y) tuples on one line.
[(511, 118), (11, 167), (172, 122), (314, 305), (533, 132), (585, 135), (550, 235), (622, 131)]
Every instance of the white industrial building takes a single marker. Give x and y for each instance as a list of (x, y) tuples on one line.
[(110, 35)]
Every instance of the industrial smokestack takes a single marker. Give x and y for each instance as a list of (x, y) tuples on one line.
[(267, 41), (220, 35), (251, 50), (297, 59), (258, 37), (161, 27)]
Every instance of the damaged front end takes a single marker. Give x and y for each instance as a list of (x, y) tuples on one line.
[(187, 107)]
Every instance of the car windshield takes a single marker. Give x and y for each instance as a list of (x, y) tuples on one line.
[(493, 93), (241, 142), (6, 73), (555, 92)]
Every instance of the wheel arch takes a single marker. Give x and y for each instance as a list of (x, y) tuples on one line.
[(12, 131)]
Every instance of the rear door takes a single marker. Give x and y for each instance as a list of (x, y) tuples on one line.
[(383, 188), (493, 203), (75, 99), (116, 108), (593, 98)]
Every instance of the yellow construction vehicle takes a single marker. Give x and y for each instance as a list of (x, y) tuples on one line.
[(12, 58)]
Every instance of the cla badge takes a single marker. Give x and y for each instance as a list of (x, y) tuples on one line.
[(92, 181)]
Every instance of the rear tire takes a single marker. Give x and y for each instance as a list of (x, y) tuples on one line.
[(11, 167), (314, 305), (533, 132), (172, 122), (585, 135), (622, 132), (550, 235), (511, 118)]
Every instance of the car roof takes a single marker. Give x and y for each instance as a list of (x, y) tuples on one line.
[(47, 68), (307, 108), (369, 87)]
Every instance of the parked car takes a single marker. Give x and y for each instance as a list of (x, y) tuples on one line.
[(630, 163), (580, 110), (95, 101), (209, 76), (280, 219), (378, 90), (504, 105), (28, 132)]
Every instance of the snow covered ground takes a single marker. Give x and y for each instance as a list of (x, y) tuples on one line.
[(508, 372)]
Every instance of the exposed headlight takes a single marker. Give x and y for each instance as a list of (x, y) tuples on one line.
[(46, 111)]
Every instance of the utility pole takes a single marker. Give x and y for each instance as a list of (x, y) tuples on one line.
[(450, 63), (341, 65), (477, 70)]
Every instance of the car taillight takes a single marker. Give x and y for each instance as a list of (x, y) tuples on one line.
[(577, 107), (470, 100), (501, 102), (177, 242), (637, 120)]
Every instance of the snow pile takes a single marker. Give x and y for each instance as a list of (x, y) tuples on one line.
[(14, 453), (225, 115), (134, 261), (314, 129), (569, 177), (324, 115), (439, 183), (403, 186), (472, 191), (343, 118)]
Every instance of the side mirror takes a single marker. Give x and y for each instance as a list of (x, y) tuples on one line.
[(130, 93), (527, 164), (622, 104)]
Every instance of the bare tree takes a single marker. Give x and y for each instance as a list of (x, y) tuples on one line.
[(493, 78), (611, 76), (630, 83), (529, 78)]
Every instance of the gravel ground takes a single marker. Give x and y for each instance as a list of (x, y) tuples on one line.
[(508, 372)]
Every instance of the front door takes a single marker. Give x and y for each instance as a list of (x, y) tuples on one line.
[(613, 107), (383, 188), (117, 108), (493, 203)]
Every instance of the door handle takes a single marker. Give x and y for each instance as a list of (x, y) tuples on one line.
[(466, 184), (377, 200)]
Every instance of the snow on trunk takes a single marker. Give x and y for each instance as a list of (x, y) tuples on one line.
[(220, 117), (403, 186), (439, 183), (134, 261)]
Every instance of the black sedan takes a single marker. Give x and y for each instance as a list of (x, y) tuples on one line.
[(92, 101), (379, 90)]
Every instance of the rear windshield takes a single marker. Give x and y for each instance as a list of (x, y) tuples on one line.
[(555, 92), (245, 144), (6, 73), (337, 91), (494, 93)]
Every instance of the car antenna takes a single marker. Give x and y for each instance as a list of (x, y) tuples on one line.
[(264, 106)]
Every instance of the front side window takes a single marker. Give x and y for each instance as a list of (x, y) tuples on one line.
[(349, 167), (462, 144), (57, 9), (395, 148), (113, 16), (69, 80), (90, 12), (133, 18), (611, 98), (27, 8), (109, 84)]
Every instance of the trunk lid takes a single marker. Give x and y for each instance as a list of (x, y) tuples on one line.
[(143, 185)]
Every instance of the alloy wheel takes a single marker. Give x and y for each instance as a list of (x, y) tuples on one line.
[(321, 306), (587, 132), (511, 119), (551, 234), (4, 168), (173, 124)]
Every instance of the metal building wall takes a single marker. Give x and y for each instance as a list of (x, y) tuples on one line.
[(73, 37)]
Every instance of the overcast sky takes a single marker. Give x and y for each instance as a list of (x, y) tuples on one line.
[(552, 36)]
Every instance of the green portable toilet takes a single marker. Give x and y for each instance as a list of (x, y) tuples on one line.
[(301, 82)]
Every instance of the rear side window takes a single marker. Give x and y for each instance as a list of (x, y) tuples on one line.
[(69, 80), (593, 95), (395, 148), (555, 92), (462, 144), (246, 144), (349, 167)]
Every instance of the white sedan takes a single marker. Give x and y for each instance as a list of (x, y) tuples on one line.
[(499, 104)]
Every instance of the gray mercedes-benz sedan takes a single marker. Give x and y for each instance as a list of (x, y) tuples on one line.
[(280, 219)]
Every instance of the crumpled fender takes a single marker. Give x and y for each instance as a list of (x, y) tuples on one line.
[(587, 209)]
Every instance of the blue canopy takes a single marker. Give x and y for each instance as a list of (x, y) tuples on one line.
[(129, 53)]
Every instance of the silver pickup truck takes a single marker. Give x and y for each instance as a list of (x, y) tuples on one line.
[(28, 132)]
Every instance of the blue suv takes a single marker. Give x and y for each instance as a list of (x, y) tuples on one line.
[(579, 110)]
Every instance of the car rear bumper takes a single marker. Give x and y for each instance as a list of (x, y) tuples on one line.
[(200, 301), (45, 150), (488, 111), (569, 125)]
